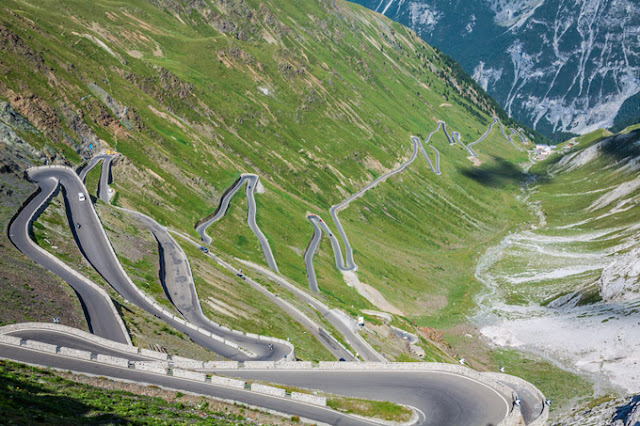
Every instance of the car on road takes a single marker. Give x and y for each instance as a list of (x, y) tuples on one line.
[(81, 196), (204, 249)]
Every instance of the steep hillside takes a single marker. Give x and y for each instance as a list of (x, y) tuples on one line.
[(559, 67), (319, 99)]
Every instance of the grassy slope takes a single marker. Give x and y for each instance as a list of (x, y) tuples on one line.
[(33, 395), (347, 88)]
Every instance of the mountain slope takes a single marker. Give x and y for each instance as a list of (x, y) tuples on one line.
[(318, 99), (559, 67), (317, 104)]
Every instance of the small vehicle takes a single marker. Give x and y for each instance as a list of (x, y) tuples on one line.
[(81, 196), (342, 359), (78, 225), (271, 346), (204, 249)]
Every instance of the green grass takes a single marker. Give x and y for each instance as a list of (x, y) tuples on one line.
[(347, 90), (373, 409), (92, 179), (246, 309), (378, 90), (31, 395), (561, 386)]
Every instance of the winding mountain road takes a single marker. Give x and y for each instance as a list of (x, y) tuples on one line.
[(439, 397), (338, 319), (95, 246), (252, 181), (100, 312), (318, 225), (177, 281), (504, 135), (105, 174)]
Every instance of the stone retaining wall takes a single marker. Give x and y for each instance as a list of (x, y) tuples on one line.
[(187, 363), (39, 346), (231, 365), (152, 367), (295, 365), (75, 353), (71, 331), (260, 365), (225, 381), (191, 375), (113, 360), (309, 399), (494, 380), (153, 354), (10, 340), (268, 390)]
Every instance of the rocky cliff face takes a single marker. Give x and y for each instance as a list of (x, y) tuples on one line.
[(563, 66)]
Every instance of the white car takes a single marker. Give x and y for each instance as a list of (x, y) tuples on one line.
[(81, 196)]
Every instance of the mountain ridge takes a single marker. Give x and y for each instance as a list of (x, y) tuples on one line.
[(560, 68)]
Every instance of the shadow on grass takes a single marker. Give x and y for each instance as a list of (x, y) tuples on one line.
[(620, 147), (25, 402), (499, 174)]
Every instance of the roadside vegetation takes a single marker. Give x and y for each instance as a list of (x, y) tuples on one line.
[(31, 395), (369, 408), (383, 410)]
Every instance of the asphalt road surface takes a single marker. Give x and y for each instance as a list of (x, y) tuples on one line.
[(177, 281), (319, 225), (60, 338), (331, 344), (251, 180), (481, 138), (96, 248), (316, 413), (99, 310), (335, 317), (440, 398), (509, 137), (443, 398), (105, 174)]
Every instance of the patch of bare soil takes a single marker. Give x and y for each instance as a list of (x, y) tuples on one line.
[(392, 346), (475, 160), (370, 293)]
